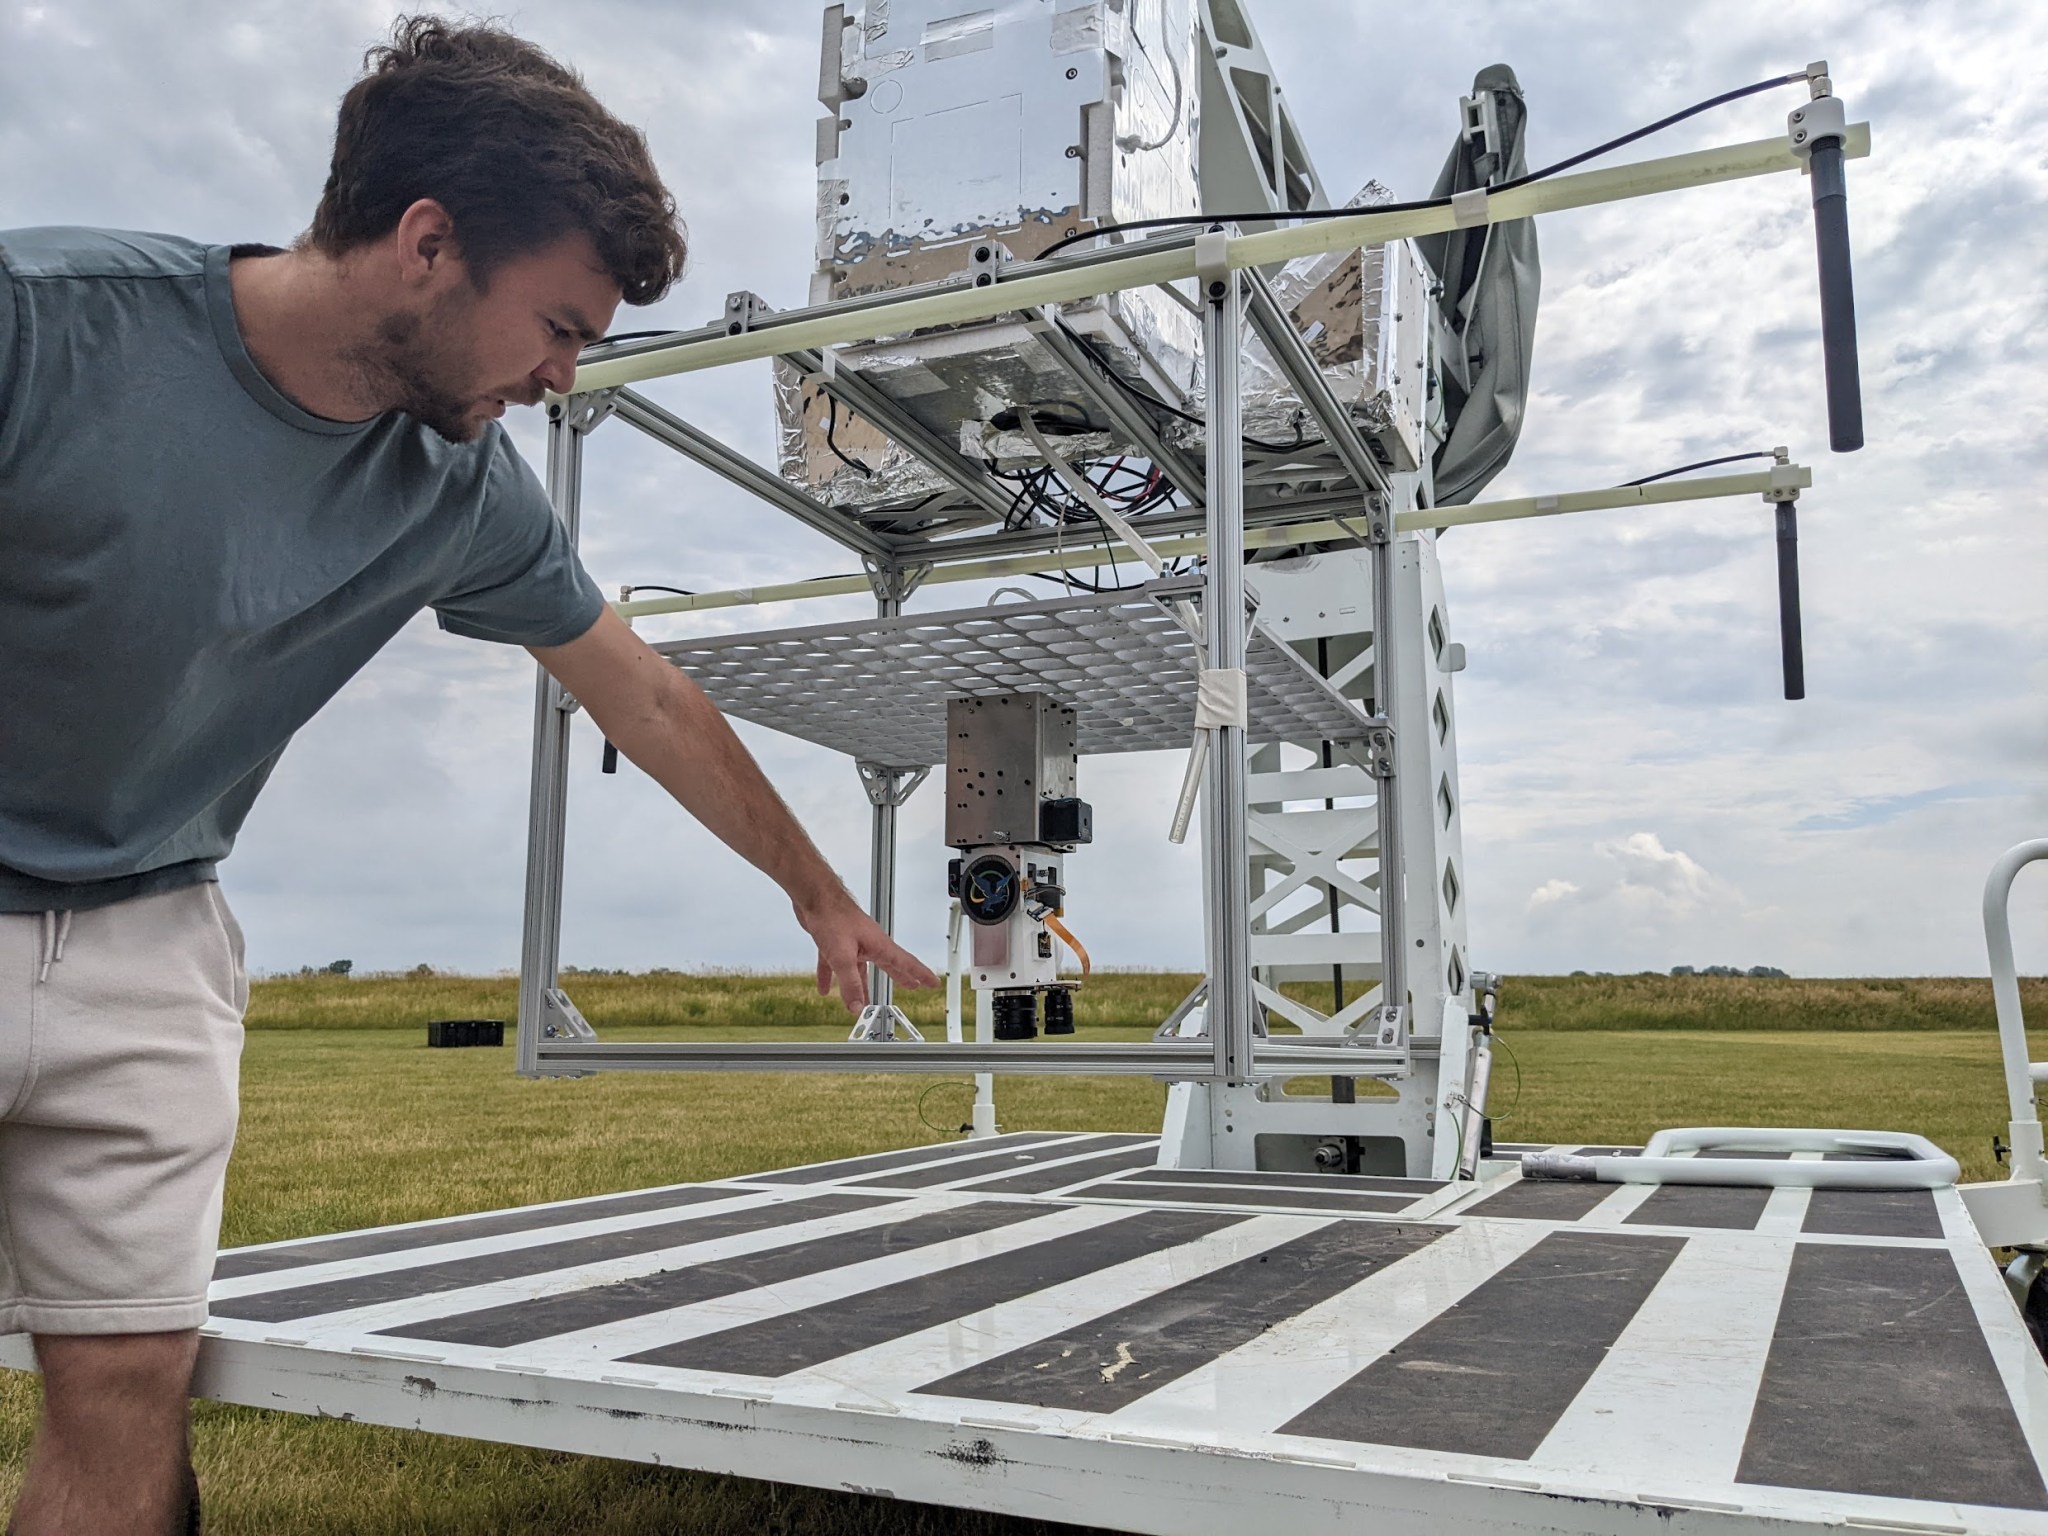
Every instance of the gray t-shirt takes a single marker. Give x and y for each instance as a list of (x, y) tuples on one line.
[(191, 565)]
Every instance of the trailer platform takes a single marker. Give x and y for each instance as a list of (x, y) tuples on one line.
[(1050, 1325)]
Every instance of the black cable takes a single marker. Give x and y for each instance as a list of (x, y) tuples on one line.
[(1274, 216), (1726, 458), (1145, 395), (1087, 345), (934, 1088), (1300, 441), (1515, 1062), (605, 341), (831, 426), (1072, 510), (646, 586)]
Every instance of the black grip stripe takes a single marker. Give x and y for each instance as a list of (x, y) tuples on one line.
[(1701, 1205), (1102, 1365), (795, 1341), (360, 1245), (514, 1263), (522, 1322), (1879, 1381), (1493, 1373)]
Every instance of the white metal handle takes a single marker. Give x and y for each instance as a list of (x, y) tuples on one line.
[(2005, 995), (1686, 1156)]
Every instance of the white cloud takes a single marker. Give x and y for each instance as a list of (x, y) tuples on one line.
[(1638, 904), (1669, 875)]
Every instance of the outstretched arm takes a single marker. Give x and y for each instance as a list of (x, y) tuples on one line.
[(661, 720)]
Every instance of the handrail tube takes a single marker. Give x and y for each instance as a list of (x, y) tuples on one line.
[(1150, 262), (1685, 1156), (2025, 1128), (1317, 531), (1172, 1060)]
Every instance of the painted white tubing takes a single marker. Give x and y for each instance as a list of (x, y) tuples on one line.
[(1777, 1175), (1618, 498), (1190, 789), (984, 1116), (1925, 1166), (1475, 1107), (1762, 1138), (1055, 283), (2027, 1162), (1080, 486), (953, 1031)]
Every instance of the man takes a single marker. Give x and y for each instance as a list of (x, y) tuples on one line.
[(227, 477)]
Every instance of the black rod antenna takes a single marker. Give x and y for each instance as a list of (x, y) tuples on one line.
[(1818, 131)]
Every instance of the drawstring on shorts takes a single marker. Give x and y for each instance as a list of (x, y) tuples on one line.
[(56, 929)]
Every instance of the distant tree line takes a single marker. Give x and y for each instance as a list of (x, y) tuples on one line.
[(1702, 970)]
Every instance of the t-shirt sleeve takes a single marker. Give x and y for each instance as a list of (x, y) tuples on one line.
[(10, 342), (522, 583)]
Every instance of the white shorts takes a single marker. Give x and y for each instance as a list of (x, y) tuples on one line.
[(119, 1057)]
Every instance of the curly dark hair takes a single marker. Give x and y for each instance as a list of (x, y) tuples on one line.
[(510, 142)]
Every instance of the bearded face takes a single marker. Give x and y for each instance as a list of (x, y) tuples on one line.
[(429, 360), (463, 350)]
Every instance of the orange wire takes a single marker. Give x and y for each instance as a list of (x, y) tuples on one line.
[(1060, 930)]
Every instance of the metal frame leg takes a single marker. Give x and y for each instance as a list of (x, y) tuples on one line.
[(1225, 787), (1382, 762), (544, 1010), (887, 789)]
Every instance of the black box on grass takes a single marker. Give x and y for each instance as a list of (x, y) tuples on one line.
[(455, 1032)]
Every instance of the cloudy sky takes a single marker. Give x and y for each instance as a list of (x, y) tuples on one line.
[(1637, 794)]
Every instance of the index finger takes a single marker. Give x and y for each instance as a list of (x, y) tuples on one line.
[(905, 967)]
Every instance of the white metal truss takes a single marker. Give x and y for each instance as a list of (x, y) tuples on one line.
[(1421, 952), (1251, 152)]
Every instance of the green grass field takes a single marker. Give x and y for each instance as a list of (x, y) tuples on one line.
[(350, 1121)]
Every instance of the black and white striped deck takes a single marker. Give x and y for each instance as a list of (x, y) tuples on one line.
[(1049, 1325)]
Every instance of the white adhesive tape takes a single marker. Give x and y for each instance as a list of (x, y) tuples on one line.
[(1220, 699)]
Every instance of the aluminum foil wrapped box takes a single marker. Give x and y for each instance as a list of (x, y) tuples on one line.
[(1364, 313), (1018, 124)]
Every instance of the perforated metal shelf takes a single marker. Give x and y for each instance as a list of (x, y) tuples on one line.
[(877, 688)]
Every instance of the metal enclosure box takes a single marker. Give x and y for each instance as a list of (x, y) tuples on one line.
[(1005, 755), (952, 128)]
